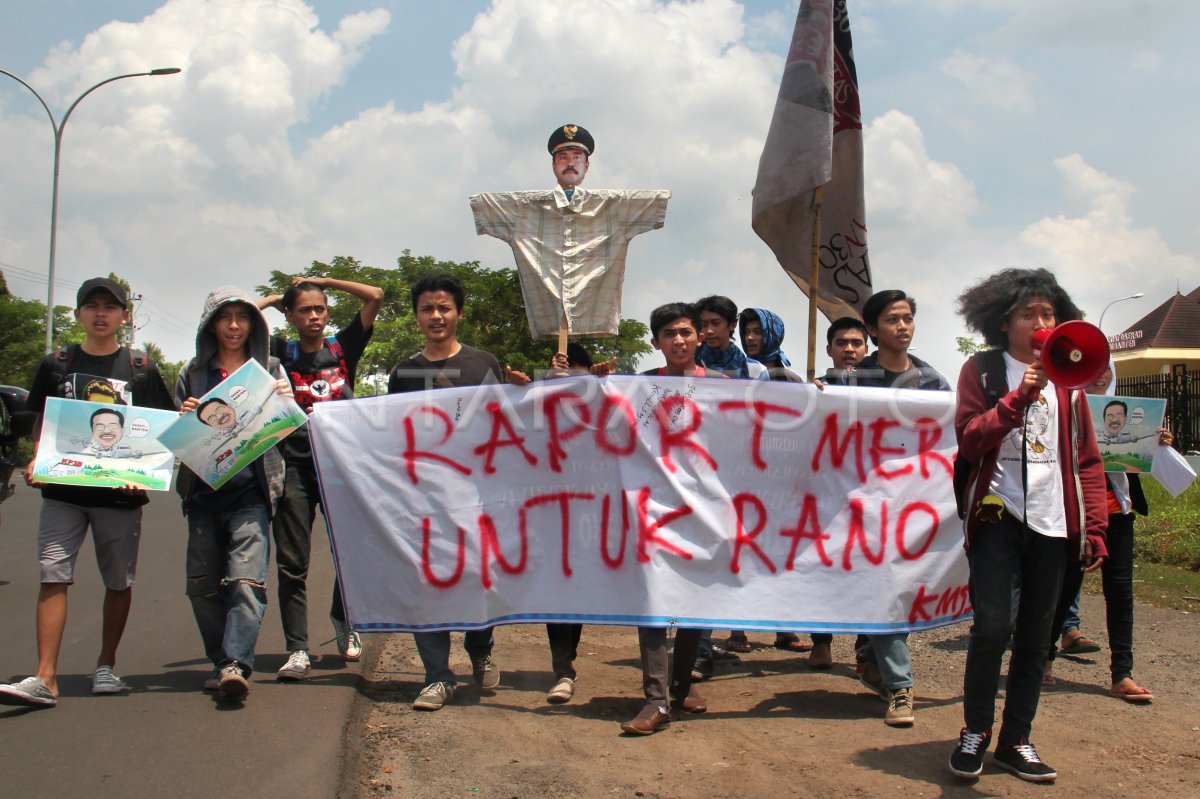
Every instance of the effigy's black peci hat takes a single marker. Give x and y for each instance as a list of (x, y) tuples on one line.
[(571, 136)]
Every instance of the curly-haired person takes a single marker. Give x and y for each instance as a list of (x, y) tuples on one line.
[(1035, 500)]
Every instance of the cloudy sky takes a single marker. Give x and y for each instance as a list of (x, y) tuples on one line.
[(998, 133)]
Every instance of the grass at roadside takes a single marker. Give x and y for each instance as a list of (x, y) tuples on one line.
[(1170, 535), (1162, 586)]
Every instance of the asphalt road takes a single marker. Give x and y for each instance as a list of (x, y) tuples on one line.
[(167, 737)]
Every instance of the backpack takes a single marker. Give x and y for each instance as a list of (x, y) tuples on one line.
[(139, 364), (292, 354), (993, 373)]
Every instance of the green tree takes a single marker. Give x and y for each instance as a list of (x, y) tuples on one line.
[(23, 331), (493, 320), (168, 369), (968, 346)]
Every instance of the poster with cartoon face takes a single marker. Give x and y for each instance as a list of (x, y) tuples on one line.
[(1127, 430), (234, 425), (102, 444)]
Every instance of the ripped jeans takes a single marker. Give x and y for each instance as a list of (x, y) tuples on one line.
[(227, 557)]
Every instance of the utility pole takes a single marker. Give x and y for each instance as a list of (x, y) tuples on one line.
[(127, 335)]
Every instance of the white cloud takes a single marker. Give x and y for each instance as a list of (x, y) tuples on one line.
[(187, 182), (906, 188), (1127, 26), (1102, 251), (994, 80), (184, 182)]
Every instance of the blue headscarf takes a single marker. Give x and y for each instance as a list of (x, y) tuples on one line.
[(772, 337)]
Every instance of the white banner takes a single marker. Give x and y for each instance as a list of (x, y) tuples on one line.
[(653, 501)]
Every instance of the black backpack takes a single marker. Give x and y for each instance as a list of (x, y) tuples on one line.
[(993, 373), (139, 364)]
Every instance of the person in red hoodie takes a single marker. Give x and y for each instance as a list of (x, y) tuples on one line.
[(1035, 500)]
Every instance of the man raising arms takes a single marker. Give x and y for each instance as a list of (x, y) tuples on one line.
[(321, 369)]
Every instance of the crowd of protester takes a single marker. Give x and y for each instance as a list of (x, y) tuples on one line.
[(1034, 522)]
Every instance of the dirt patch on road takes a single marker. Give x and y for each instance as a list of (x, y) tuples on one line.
[(775, 727)]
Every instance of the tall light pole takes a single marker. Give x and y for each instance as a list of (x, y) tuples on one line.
[(58, 134), (1137, 296)]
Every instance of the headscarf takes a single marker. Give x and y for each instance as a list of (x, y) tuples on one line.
[(772, 337), (730, 361)]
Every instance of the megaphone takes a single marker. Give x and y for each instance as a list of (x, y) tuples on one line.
[(1074, 354)]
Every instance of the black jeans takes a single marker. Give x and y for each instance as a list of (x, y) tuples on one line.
[(293, 547), (564, 641), (1016, 579), (1117, 579)]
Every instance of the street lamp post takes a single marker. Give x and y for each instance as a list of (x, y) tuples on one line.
[(1137, 296), (58, 134)]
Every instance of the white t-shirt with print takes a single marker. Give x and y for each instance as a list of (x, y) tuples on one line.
[(1044, 500)]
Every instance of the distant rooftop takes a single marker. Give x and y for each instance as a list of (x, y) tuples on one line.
[(1173, 325)]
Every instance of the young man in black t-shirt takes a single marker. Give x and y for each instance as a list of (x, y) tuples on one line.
[(845, 344), (444, 362), (113, 514), (321, 370)]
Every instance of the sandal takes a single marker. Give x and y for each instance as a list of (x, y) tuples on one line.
[(1077, 644), (790, 642), (738, 642), (1131, 692)]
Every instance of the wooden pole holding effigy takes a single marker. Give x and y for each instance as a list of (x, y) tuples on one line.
[(562, 335), (813, 279)]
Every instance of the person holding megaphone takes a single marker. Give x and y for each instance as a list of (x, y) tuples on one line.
[(1034, 499)]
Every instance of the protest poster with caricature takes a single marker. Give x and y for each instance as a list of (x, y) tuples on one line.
[(102, 444), (233, 425), (1127, 430)]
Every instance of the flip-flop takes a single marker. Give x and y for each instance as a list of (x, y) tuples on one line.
[(1133, 695), (792, 644), (738, 644), (1080, 645)]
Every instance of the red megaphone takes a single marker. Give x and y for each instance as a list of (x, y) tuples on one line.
[(1074, 354)]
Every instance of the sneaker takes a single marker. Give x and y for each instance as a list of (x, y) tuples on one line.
[(1022, 759), (348, 643), (702, 669), (352, 651), (562, 691), (233, 684), (30, 692), (868, 675), (297, 667), (434, 696), (900, 709), (213, 681), (485, 672), (966, 760), (105, 682), (720, 653)]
